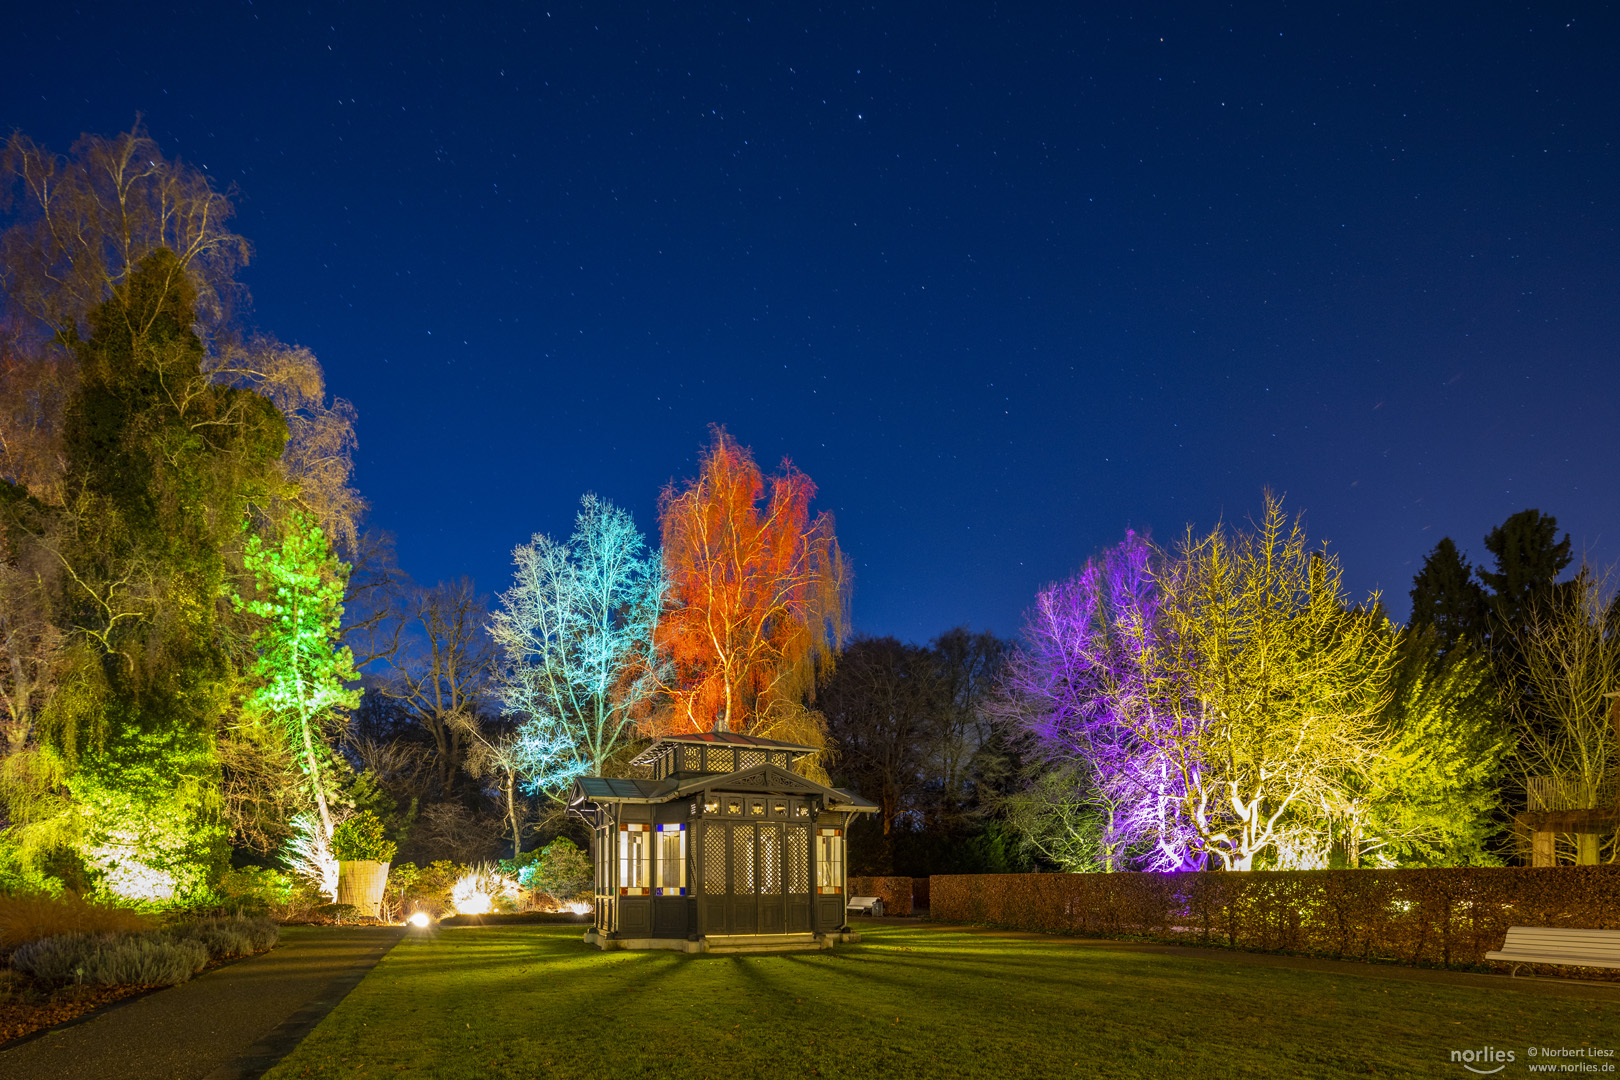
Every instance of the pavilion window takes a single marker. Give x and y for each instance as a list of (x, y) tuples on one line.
[(829, 860), (671, 860), (635, 860)]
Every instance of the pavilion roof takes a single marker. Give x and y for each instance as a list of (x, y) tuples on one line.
[(601, 789), (716, 738)]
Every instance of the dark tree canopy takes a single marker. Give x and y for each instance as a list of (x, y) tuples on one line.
[(1445, 596), (1529, 558)]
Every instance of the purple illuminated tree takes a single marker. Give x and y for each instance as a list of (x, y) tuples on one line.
[(1094, 689)]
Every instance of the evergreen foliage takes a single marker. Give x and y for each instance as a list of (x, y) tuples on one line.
[(1445, 596), (362, 837)]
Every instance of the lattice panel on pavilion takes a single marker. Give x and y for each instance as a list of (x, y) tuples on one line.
[(798, 860), (714, 860), (747, 759), (742, 859), (770, 859), (691, 758)]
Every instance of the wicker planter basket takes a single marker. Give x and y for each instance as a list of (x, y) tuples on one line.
[(361, 883)]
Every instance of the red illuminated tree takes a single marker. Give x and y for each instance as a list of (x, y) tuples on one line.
[(759, 592)]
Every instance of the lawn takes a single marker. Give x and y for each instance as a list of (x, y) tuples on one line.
[(906, 1002)]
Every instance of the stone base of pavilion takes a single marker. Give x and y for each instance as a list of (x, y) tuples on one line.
[(727, 943)]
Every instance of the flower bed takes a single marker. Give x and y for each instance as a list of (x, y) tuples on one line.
[(54, 979)]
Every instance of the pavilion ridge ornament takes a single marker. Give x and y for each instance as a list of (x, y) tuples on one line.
[(723, 849)]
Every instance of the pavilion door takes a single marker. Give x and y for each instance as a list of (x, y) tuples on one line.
[(796, 878), (742, 901), (768, 878), (758, 870)]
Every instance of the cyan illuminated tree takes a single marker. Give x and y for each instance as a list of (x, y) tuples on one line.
[(304, 669), (575, 633)]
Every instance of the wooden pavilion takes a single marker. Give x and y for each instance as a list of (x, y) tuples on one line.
[(725, 848)]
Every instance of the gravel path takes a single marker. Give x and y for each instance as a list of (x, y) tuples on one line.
[(230, 1024)]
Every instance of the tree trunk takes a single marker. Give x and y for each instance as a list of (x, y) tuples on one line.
[(315, 777), (511, 815)]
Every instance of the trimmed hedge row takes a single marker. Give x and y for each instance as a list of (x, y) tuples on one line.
[(895, 892), (1450, 917)]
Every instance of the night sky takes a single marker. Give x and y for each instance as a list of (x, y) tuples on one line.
[(1003, 283)]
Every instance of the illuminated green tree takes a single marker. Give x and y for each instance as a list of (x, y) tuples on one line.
[(301, 663), (1431, 797)]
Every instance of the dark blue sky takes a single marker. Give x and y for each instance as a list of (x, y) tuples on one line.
[(1003, 281)]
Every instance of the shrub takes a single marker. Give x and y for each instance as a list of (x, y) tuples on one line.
[(362, 837), (895, 892), (256, 890), (111, 959), (425, 888), (1443, 916), (37, 915), (562, 870), (146, 960), (227, 938)]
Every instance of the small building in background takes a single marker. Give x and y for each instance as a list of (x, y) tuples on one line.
[(725, 848)]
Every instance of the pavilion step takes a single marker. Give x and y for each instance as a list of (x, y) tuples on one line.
[(741, 943)]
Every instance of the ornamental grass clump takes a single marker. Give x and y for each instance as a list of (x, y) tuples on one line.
[(228, 938), (30, 916), (111, 959)]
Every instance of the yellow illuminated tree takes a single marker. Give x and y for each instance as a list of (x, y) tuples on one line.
[(1275, 685)]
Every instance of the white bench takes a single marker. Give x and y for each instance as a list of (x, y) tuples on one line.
[(1555, 945), (865, 905)]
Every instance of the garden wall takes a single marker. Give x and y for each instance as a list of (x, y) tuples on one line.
[(1443, 916), (895, 892)]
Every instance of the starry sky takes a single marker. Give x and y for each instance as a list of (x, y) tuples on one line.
[(1005, 280)]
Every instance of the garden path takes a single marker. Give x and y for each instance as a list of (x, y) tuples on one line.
[(229, 1024)]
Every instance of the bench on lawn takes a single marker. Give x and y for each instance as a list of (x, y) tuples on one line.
[(1556, 945), (865, 905)]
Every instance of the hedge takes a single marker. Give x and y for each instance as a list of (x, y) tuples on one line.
[(895, 892), (1450, 917)]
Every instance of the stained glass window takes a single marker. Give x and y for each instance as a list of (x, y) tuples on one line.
[(829, 860), (671, 860), (635, 857)]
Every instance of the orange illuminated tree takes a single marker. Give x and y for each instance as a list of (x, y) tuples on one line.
[(760, 597)]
